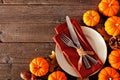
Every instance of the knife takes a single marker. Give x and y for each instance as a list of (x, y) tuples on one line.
[(76, 41), (72, 32)]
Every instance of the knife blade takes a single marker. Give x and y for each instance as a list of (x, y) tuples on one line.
[(72, 32)]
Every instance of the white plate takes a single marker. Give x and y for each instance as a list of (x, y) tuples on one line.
[(97, 43)]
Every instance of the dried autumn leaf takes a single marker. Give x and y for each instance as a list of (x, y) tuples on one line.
[(103, 33), (52, 61)]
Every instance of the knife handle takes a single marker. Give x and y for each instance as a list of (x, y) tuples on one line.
[(86, 62), (94, 61)]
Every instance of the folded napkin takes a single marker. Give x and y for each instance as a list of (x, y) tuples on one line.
[(71, 53)]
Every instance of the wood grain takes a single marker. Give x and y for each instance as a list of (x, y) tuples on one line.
[(52, 2), (24, 32), (5, 71), (16, 70), (23, 52), (1, 1), (40, 14)]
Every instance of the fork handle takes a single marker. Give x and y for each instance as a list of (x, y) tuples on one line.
[(86, 62), (94, 61)]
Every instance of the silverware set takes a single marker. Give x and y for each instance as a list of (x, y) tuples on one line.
[(84, 55)]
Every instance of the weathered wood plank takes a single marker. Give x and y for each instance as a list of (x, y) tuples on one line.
[(16, 69), (1, 1), (43, 9), (63, 2), (27, 32), (24, 52), (5, 71), (39, 14), (39, 1)]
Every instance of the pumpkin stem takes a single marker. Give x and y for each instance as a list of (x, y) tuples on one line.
[(110, 4), (110, 78), (37, 67), (117, 25)]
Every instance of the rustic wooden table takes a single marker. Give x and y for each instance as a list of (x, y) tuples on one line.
[(27, 28)]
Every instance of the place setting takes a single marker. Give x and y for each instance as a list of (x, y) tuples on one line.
[(80, 51)]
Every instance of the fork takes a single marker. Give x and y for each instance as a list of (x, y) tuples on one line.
[(70, 43)]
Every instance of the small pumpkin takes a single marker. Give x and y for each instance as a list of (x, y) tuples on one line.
[(39, 66), (109, 7), (112, 25), (114, 58), (108, 73), (57, 75), (91, 18)]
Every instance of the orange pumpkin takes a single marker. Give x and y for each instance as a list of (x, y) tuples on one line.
[(109, 7), (91, 18), (39, 66), (114, 59), (57, 75), (112, 25), (108, 73)]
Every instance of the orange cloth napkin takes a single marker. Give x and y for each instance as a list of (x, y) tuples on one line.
[(71, 53)]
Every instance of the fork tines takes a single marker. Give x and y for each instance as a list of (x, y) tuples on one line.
[(67, 40), (64, 38)]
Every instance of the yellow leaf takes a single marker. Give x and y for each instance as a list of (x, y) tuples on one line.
[(52, 55)]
